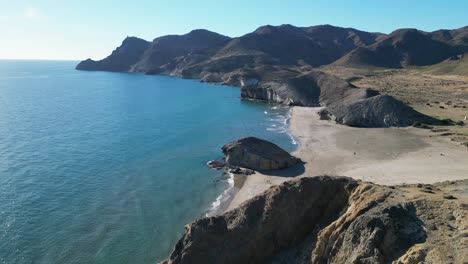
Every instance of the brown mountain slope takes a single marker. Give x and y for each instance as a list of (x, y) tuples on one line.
[(121, 58), (457, 65), (205, 51), (409, 47), (139, 55)]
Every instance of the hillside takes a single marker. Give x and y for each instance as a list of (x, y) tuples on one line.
[(408, 47), (211, 57), (141, 56), (457, 65), (201, 52)]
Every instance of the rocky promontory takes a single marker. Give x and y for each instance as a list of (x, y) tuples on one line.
[(345, 103), (257, 154), (335, 220)]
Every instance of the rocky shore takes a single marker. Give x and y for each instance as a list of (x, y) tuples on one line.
[(335, 220), (274, 219)]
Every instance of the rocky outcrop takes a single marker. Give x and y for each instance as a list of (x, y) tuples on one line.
[(377, 111), (334, 220), (257, 154), (313, 88), (347, 104), (377, 231), (275, 220)]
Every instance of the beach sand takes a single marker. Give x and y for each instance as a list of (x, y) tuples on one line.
[(387, 156)]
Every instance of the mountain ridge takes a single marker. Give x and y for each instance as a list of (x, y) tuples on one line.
[(201, 52)]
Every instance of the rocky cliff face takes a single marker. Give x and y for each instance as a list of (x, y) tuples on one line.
[(345, 103), (334, 220), (280, 218)]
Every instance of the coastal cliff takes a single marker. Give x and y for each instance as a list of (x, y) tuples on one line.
[(333, 220), (346, 104), (279, 64)]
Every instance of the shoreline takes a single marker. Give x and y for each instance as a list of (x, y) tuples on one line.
[(387, 156)]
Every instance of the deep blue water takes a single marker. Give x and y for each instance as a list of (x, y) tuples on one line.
[(99, 167)]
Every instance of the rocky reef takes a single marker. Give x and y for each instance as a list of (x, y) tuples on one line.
[(334, 220)]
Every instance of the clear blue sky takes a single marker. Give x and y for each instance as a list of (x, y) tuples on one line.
[(54, 29)]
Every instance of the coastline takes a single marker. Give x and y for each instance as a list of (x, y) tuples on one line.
[(388, 156), (279, 122)]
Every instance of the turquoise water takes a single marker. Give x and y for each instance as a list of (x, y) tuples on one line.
[(101, 167)]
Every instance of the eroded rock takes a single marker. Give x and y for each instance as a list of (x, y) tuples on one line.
[(332, 220), (257, 154)]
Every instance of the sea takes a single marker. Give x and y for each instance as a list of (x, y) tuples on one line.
[(101, 167)]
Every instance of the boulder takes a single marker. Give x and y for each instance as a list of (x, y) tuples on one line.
[(257, 154), (324, 114), (216, 164)]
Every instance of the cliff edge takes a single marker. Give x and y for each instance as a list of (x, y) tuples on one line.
[(335, 220)]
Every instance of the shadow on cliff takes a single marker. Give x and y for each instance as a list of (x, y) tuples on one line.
[(293, 171)]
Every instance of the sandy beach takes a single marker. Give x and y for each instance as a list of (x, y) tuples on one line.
[(388, 156)]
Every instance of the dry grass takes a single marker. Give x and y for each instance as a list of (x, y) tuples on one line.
[(439, 96)]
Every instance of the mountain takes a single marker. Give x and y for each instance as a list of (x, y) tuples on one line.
[(142, 56), (455, 37), (212, 57), (409, 47), (202, 52), (290, 45), (165, 49), (121, 58)]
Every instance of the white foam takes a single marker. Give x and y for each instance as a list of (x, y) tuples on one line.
[(222, 198)]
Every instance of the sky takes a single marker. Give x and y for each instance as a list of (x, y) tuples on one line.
[(76, 30)]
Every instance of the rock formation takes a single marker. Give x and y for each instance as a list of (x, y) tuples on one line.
[(257, 154), (334, 220), (345, 103), (377, 111)]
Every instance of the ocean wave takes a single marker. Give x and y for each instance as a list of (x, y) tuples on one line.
[(221, 202)]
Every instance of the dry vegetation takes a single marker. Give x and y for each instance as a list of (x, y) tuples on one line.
[(441, 96)]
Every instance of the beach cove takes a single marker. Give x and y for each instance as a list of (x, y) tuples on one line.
[(388, 156)]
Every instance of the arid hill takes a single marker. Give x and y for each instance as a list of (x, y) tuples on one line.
[(409, 47)]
